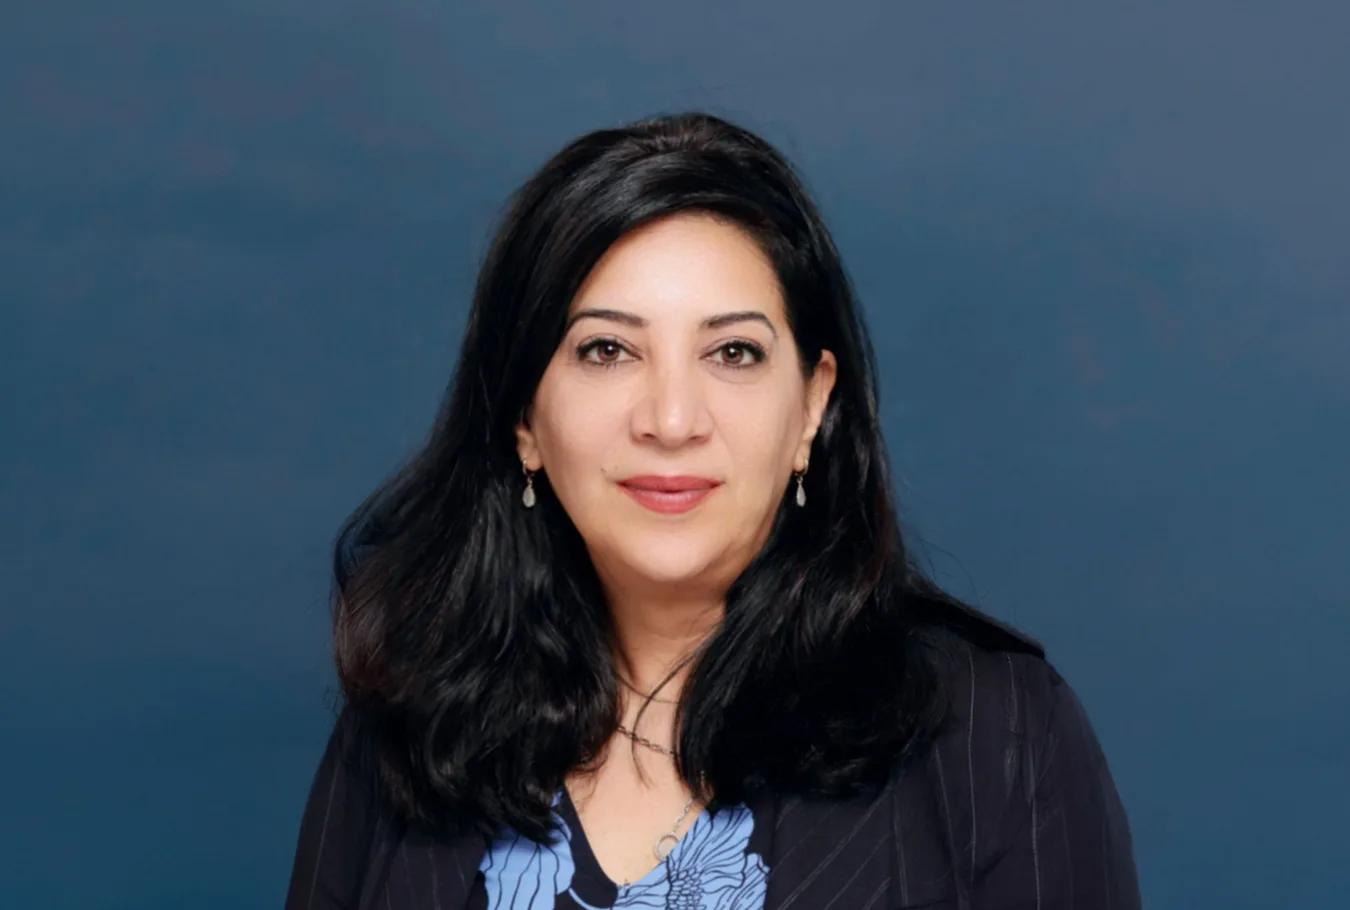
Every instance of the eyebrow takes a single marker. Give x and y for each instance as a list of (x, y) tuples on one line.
[(721, 320)]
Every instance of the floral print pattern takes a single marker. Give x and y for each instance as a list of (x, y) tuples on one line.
[(522, 875), (710, 868)]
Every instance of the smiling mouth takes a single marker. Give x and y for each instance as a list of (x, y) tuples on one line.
[(668, 495)]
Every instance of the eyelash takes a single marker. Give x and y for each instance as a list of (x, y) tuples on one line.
[(755, 351)]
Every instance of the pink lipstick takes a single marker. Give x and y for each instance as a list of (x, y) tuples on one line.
[(668, 494)]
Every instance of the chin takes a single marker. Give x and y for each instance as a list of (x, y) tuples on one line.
[(672, 562)]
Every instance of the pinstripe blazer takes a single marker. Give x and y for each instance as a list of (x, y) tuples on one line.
[(1013, 806)]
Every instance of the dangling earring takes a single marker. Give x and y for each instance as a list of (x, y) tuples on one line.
[(528, 497), (801, 491)]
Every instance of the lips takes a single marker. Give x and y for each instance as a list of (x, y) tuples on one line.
[(668, 494)]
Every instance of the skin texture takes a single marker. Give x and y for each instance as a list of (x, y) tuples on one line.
[(678, 361)]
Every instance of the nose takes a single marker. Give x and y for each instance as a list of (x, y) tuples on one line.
[(673, 410)]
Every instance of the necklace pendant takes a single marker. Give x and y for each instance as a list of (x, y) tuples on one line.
[(663, 846)]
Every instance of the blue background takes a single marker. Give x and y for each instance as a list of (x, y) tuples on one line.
[(1103, 251)]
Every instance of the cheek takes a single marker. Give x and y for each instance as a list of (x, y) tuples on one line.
[(576, 436), (762, 438)]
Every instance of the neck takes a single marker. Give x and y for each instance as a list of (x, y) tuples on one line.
[(655, 635)]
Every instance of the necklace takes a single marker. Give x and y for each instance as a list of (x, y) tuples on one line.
[(667, 841), (644, 741)]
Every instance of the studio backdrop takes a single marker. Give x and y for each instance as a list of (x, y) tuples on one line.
[(1102, 251)]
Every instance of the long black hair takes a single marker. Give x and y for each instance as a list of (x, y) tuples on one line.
[(472, 638)]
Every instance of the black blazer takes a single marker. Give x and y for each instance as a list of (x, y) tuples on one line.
[(1012, 807)]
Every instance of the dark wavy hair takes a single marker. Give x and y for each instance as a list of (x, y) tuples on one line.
[(471, 635)]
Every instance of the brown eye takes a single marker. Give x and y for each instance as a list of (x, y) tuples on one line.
[(738, 354), (603, 352)]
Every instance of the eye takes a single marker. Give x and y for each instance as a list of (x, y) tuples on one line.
[(738, 354), (605, 352)]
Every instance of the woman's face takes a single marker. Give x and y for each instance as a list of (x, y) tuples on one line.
[(674, 412)]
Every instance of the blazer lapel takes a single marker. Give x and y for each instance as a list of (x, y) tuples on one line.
[(418, 872), (833, 853)]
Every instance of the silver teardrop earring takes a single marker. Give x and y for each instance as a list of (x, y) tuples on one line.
[(801, 490), (528, 498)]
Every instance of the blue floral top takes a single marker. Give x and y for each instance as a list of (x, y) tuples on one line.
[(716, 865)]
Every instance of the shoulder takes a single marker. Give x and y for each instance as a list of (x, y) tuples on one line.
[(1001, 686), (998, 681), (1017, 749), (1006, 702), (1013, 732), (339, 821)]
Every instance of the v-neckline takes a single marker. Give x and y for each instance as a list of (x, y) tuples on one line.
[(585, 861)]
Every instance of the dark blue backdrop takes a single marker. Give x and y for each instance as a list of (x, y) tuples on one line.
[(1103, 253)]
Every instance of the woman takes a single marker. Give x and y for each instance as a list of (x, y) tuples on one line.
[(637, 628)]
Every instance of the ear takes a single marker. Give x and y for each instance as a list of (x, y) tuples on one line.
[(818, 388), (527, 446)]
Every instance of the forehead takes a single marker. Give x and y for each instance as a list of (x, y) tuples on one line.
[(687, 264)]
